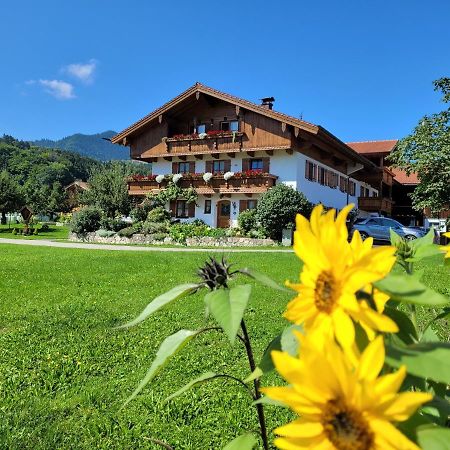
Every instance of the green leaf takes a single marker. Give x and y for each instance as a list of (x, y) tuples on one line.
[(429, 335), (433, 438), (407, 331), (405, 288), (266, 364), (439, 408), (264, 400), (264, 279), (425, 360), (396, 240), (160, 301), (169, 347), (289, 341), (195, 382), (227, 306), (246, 441)]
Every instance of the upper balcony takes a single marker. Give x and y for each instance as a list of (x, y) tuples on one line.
[(375, 204), (250, 182), (213, 141)]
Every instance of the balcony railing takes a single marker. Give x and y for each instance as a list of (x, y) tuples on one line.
[(375, 204), (205, 143), (244, 184)]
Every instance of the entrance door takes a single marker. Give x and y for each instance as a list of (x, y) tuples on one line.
[(223, 214)]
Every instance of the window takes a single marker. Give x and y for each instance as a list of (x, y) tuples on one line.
[(310, 171), (182, 208), (183, 167), (342, 184), (332, 179), (201, 128), (232, 125), (251, 204), (256, 164), (322, 175), (207, 207), (361, 191), (351, 187), (218, 166)]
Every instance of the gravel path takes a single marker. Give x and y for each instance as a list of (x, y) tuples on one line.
[(135, 248)]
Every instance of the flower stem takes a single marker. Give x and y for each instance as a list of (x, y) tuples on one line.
[(259, 406)]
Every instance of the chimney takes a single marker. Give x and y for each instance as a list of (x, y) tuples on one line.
[(267, 102)]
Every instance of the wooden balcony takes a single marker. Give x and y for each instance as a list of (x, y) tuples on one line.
[(253, 184), (219, 143), (375, 204)]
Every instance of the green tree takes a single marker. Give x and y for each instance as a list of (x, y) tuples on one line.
[(278, 207), (11, 198), (426, 151), (108, 190), (56, 200)]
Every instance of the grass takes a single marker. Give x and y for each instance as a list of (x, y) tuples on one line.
[(54, 232), (65, 372)]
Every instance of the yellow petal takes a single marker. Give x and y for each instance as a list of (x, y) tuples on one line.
[(300, 429), (372, 360), (404, 405), (344, 328), (386, 433), (390, 384), (318, 443)]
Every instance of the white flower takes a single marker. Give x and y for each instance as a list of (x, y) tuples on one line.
[(159, 179), (177, 177), (207, 176), (202, 135), (228, 175)]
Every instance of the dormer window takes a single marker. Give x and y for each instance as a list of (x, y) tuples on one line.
[(256, 164), (229, 125)]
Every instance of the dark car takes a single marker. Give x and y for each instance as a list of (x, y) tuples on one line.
[(379, 229)]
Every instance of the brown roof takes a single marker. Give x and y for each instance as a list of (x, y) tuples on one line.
[(289, 120), (82, 184), (365, 147), (403, 178)]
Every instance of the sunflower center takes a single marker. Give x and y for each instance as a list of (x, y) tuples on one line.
[(326, 292), (346, 428)]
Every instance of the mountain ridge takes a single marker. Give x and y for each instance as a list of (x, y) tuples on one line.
[(96, 146)]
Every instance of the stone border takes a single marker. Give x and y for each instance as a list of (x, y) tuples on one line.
[(141, 239)]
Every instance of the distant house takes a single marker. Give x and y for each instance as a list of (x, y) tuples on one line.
[(232, 151), (403, 185), (73, 191)]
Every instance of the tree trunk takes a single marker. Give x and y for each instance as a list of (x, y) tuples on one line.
[(3, 219)]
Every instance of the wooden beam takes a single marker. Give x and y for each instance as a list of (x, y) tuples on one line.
[(198, 156), (183, 157), (283, 126), (289, 151), (231, 154), (168, 158), (269, 152), (160, 118), (197, 95), (248, 194), (125, 141), (251, 154), (215, 155), (296, 130), (237, 110)]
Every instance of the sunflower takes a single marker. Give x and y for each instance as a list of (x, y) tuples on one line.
[(342, 405), (334, 271), (447, 247)]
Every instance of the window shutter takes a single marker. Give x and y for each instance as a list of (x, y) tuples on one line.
[(245, 164), (174, 167), (227, 165), (191, 166), (266, 165), (191, 209), (314, 172), (208, 166), (307, 170), (242, 205), (173, 207)]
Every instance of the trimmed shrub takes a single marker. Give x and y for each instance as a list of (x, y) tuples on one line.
[(247, 220), (278, 207), (129, 231), (45, 227), (158, 236), (112, 224), (140, 212), (85, 220), (149, 227), (105, 233), (158, 214)]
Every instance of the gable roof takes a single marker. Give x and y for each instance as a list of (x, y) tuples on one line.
[(367, 147), (245, 104), (81, 184)]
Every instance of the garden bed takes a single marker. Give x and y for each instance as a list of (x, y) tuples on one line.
[(206, 241)]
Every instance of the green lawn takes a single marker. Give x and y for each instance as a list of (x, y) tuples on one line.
[(64, 372), (52, 233)]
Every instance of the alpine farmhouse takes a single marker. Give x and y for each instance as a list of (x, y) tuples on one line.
[(232, 151)]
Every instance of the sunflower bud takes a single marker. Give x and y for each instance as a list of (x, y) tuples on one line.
[(215, 274)]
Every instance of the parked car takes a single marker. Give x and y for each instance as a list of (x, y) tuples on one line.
[(379, 229)]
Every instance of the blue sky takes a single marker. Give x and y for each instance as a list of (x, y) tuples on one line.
[(362, 69)]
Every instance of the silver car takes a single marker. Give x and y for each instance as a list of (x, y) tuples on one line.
[(378, 228)]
